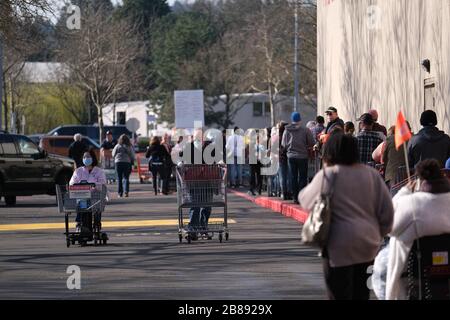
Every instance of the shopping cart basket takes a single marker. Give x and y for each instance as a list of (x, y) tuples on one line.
[(201, 186), (142, 169), (108, 167), (88, 201)]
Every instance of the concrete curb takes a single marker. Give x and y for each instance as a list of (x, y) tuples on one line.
[(286, 209)]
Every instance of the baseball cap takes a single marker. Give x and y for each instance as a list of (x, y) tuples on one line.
[(331, 109), (366, 118)]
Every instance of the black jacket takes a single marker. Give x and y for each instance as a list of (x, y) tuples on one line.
[(429, 143), (76, 151), (331, 125), (157, 154)]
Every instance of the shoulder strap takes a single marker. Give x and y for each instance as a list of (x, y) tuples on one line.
[(331, 178)]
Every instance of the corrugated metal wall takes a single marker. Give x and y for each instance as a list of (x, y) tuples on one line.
[(370, 53)]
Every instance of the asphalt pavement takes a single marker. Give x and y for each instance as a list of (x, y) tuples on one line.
[(143, 259)]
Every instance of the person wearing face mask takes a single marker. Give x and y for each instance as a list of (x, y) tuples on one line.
[(90, 172)]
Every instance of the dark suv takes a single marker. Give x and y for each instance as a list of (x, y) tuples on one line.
[(26, 170)]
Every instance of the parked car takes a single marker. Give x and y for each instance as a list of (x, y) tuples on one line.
[(90, 131), (59, 145), (36, 138), (27, 170)]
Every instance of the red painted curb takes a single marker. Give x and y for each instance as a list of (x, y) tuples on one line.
[(288, 210)]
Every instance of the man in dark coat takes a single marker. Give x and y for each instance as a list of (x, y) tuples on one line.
[(430, 142), (77, 149), (333, 120)]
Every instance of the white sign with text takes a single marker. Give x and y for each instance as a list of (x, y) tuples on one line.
[(189, 108)]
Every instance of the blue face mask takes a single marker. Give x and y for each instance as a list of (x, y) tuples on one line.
[(87, 161)]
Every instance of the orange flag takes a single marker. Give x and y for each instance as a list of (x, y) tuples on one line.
[(402, 132)]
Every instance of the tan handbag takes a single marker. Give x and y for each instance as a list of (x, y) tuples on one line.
[(316, 228)]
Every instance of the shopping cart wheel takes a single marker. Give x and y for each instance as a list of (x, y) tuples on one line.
[(188, 238), (220, 237), (68, 243), (227, 236), (104, 239), (180, 237)]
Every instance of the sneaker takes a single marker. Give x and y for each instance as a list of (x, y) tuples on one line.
[(206, 236), (126, 195), (78, 228), (194, 236), (119, 196)]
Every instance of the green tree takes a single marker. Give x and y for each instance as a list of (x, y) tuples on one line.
[(51, 104), (143, 12), (176, 40)]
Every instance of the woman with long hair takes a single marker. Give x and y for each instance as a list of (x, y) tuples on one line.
[(158, 158), (124, 157)]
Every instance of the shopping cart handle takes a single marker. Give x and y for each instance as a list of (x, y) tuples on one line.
[(92, 206)]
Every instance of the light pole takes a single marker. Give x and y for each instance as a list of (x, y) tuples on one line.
[(296, 61)]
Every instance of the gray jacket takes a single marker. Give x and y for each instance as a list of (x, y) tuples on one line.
[(297, 140), (123, 153)]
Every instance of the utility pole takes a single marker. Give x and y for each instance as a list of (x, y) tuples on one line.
[(296, 61)]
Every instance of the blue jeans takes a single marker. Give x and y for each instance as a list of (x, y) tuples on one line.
[(275, 184), (298, 169), (236, 173), (123, 177), (199, 217), (285, 183)]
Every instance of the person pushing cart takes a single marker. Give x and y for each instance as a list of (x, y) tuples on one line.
[(200, 187)]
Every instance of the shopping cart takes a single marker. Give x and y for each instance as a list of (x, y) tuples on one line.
[(314, 164), (401, 173), (201, 186), (401, 180), (108, 167), (88, 201), (142, 169)]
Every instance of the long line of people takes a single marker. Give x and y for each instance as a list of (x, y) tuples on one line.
[(369, 227)]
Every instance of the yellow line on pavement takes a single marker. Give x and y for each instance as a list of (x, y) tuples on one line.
[(105, 224)]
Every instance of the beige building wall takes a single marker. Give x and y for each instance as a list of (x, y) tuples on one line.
[(370, 54)]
